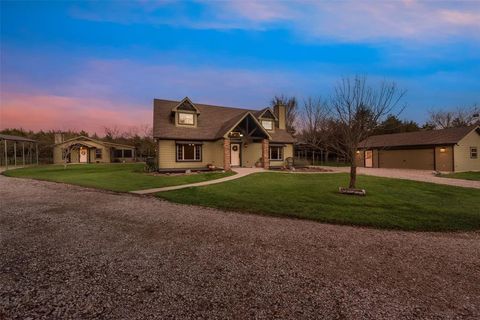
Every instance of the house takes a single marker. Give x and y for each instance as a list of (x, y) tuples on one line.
[(88, 150), (453, 149), (195, 136)]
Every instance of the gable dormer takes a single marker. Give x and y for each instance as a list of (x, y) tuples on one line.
[(185, 114), (267, 118)]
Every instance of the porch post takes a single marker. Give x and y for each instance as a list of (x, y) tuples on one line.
[(15, 153), (265, 154), (226, 154), (6, 154), (36, 149), (23, 153)]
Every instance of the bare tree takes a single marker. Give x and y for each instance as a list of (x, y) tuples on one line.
[(112, 133), (357, 108), (314, 122), (291, 107), (459, 117), (67, 151)]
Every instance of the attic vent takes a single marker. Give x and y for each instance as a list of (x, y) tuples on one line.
[(186, 106)]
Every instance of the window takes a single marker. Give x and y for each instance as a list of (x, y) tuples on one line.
[(276, 153), (98, 153), (189, 152), (117, 153), (267, 124), (186, 118), (473, 153), (127, 153)]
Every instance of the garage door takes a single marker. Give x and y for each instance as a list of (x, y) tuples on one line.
[(422, 159)]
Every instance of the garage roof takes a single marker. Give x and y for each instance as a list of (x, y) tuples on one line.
[(419, 138)]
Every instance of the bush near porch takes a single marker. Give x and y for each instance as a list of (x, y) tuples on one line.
[(114, 177), (389, 204)]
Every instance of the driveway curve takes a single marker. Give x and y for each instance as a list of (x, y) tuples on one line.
[(71, 252)]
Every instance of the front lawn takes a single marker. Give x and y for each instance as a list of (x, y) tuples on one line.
[(115, 177), (389, 204), (471, 175)]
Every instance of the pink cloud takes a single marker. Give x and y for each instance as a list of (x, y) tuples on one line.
[(50, 112)]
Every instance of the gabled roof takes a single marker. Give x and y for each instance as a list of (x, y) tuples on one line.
[(213, 121), (419, 138), (187, 101), (105, 143), (262, 112)]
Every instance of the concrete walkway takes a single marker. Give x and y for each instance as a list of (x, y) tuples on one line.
[(409, 174), (241, 172)]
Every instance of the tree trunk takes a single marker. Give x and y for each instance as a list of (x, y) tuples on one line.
[(353, 176)]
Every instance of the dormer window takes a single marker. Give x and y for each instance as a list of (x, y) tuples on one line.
[(186, 119), (185, 113), (267, 124)]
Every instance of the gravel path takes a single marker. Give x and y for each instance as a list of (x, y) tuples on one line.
[(69, 252)]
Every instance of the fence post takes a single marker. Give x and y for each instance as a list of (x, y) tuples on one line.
[(6, 155), (15, 153)]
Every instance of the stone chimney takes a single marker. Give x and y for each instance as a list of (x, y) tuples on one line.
[(281, 112), (58, 137)]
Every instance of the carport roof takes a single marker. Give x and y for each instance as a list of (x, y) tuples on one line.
[(15, 138), (419, 138)]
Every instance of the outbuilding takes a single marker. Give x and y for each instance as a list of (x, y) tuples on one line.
[(83, 149), (451, 150)]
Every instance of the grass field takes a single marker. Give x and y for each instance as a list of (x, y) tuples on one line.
[(115, 177), (471, 175), (389, 204)]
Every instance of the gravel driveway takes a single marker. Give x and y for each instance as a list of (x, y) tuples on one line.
[(69, 252)]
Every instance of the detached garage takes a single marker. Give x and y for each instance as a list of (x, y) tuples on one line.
[(453, 149)]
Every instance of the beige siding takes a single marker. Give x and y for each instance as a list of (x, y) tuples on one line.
[(444, 160), (212, 153), (251, 153), (57, 154), (287, 153), (360, 158), (462, 153)]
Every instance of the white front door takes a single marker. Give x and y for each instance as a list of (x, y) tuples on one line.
[(368, 158), (83, 155), (235, 154)]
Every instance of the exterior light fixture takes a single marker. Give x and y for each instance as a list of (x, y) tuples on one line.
[(442, 149), (241, 134), (358, 151)]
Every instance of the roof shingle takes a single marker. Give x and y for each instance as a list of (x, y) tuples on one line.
[(418, 138), (211, 125)]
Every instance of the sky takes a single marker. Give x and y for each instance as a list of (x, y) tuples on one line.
[(94, 64)]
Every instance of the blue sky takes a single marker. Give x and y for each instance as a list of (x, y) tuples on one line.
[(85, 65)]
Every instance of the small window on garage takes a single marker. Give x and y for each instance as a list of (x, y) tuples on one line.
[(98, 153), (473, 153)]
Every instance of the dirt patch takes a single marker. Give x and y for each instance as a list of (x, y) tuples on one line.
[(69, 252)]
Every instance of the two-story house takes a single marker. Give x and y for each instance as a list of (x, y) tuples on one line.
[(194, 136)]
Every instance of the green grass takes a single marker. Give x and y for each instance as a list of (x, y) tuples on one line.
[(389, 204), (471, 175), (115, 177)]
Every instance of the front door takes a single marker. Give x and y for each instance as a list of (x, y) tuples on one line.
[(235, 154), (83, 155), (368, 158)]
